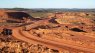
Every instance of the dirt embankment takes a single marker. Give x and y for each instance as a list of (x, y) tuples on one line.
[(14, 16)]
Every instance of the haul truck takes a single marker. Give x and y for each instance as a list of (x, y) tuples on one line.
[(7, 31)]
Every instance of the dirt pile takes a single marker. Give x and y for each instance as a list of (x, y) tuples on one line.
[(68, 14), (78, 20), (71, 18)]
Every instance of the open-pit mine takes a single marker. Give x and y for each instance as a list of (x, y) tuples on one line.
[(59, 32)]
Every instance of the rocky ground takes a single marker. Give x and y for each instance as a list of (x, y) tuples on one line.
[(11, 45), (72, 28)]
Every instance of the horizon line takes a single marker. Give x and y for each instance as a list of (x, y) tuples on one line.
[(49, 8)]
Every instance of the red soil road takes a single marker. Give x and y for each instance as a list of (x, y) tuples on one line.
[(25, 36)]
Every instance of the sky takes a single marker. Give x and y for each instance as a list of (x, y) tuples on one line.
[(47, 3)]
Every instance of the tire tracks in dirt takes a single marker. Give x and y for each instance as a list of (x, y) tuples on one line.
[(25, 36)]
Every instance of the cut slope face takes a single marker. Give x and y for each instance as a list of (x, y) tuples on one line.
[(13, 16), (17, 15)]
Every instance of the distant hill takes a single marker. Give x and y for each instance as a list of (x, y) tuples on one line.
[(51, 9)]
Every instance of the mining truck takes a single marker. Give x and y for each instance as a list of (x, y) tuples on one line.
[(7, 31)]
